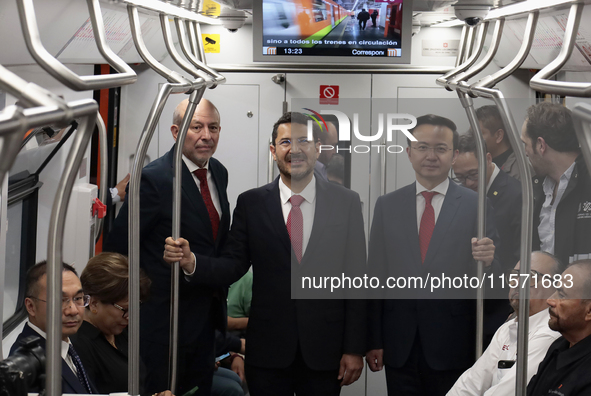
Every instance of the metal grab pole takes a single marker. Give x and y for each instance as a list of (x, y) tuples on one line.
[(528, 39), (492, 50), (12, 131), (88, 109), (176, 231), (540, 81), (443, 80), (468, 105), (57, 69), (190, 47), (462, 48), (104, 169), (176, 84)]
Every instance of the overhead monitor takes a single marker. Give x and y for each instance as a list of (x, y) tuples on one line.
[(322, 31)]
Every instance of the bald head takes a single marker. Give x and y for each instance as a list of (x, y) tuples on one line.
[(204, 131)]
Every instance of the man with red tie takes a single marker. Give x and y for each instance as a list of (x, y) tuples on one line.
[(299, 341), (205, 219), (426, 229)]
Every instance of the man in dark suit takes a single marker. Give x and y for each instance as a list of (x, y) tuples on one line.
[(205, 218), (426, 229), (295, 345), (74, 379), (504, 193)]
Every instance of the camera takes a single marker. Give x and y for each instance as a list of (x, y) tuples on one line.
[(472, 14), (24, 371), (232, 19)]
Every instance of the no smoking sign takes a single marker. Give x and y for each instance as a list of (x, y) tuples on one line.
[(329, 94)]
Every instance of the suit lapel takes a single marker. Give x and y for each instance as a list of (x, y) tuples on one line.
[(223, 198), (444, 220), (497, 187), (274, 212), (71, 379)]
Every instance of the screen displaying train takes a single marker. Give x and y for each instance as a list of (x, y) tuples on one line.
[(324, 28)]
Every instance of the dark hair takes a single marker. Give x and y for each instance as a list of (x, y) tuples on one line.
[(491, 118), (292, 117), (36, 272), (431, 119), (553, 123), (467, 143), (106, 277), (336, 167)]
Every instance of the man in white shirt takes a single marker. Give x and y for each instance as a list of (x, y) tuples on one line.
[(562, 186), (74, 379), (494, 373)]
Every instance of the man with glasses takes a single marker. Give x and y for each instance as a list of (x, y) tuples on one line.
[(426, 229), (74, 379), (504, 193), (495, 371)]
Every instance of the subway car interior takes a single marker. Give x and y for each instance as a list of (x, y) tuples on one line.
[(89, 91)]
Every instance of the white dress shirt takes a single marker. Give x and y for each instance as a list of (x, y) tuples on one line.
[(547, 226), (484, 378), (213, 191), (436, 201), (493, 177), (65, 346), (308, 207)]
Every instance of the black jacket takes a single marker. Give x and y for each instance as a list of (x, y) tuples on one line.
[(573, 215)]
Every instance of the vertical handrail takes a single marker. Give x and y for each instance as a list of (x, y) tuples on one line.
[(486, 60), (443, 80), (176, 84), (462, 47), (104, 169), (80, 141), (270, 162)]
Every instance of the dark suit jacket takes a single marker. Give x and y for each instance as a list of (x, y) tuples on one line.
[(198, 304), (278, 324), (70, 382), (445, 326), (505, 196)]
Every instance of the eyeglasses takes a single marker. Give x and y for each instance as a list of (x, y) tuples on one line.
[(462, 179), (124, 310), (79, 301), (439, 150), (512, 277), (303, 141)]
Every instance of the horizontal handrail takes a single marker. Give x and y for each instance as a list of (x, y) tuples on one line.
[(57, 69), (540, 82)]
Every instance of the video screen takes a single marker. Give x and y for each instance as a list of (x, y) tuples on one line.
[(324, 28)]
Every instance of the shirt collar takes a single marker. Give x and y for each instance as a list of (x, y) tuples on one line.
[(193, 166), (501, 158), (308, 193), (493, 177), (441, 188), (549, 183), (65, 346)]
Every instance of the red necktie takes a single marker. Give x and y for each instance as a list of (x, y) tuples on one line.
[(213, 214), (295, 225), (427, 224)]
